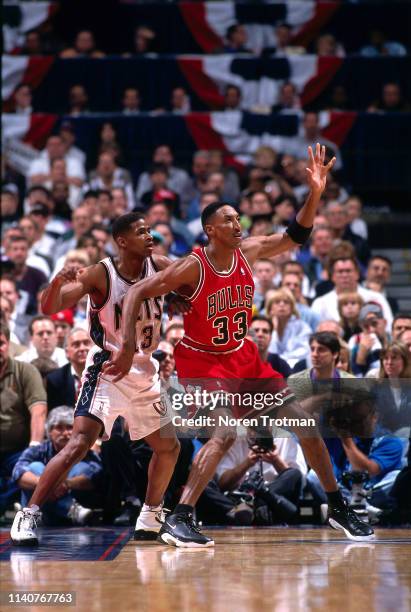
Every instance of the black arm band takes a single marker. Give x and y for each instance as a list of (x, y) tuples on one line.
[(298, 233)]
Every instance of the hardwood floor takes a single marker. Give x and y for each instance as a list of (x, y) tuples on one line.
[(250, 570)]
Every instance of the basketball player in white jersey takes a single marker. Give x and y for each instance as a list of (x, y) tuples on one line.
[(136, 397)]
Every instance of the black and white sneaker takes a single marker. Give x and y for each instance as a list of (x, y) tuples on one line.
[(23, 530), (180, 530), (345, 519), (149, 523)]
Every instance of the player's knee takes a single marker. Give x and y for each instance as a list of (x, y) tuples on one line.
[(76, 448)]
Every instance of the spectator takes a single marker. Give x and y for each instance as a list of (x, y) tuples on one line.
[(180, 101), (344, 274), (358, 226), (291, 266), (328, 46), (264, 278), (43, 341), (339, 99), (159, 212), (174, 333), (164, 234), (405, 338), (344, 360), (6, 310), (81, 224), (9, 205), (84, 46), (231, 182), (63, 321), (394, 394), (378, 276), (400, 324), (338, 221), (23, 412), (166, 358), (78, 100), (294, 284), (28, 279), (65, 382), (23, 99), (39, 169), (178, 179), (282, 468), (33, 44), (131, 101), (236, 39), (68, 136), (30, 230), (285, 209), (288, 99), (89, 244), (66, 196), (261, 330), (232, 98), (197, 184), (107, 175), (159, 192), (283, 42), (315, 258), (80, 483), (324, 355), (290, 335), (332, 327), (195, 226), (19, 300), (349, 308), (366, 347), (297, 145), (144, 40), (379, 45), (103, 236), (391, 100), (75, 259), (44, 243)]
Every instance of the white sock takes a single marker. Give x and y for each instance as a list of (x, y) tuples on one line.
[(33, 508), (147, 508)]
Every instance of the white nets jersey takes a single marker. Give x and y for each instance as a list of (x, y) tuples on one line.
[(105, 321)]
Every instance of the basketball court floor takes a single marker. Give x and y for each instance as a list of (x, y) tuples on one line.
[(250, 570)]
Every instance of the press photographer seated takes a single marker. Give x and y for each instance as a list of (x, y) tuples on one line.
[(268, 473)]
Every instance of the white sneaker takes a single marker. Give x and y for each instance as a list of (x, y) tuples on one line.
[(23, 530), (149, 523), (78, 514)]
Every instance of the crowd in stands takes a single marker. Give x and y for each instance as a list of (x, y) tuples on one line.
[(321, 313)]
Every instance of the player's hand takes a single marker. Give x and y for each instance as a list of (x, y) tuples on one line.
[(68, 274), (317, 169), (119, 365), (177, 304)]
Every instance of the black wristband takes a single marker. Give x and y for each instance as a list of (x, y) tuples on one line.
[(298, 233)]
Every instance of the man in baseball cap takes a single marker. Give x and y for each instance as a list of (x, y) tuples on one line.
[(64, 322)]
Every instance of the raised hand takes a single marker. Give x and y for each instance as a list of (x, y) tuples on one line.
[(178, 305), (317, 170)]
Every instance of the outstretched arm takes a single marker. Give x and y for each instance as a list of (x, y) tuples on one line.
[(184, 272), (267, 246)]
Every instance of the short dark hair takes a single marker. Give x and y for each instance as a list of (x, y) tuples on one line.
[(231, 30), (21, 238), (265, 319), (106, 192), (283, 197), (399, 315), (334, 261), (123, 224), (90, 193), (383, 258), (158, 168), (39, 317), (327, 339), (4, 328), (210, 210), (39, 188)]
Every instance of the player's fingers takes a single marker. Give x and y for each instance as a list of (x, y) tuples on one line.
[(318, 152), (311, 155), (331, 163), (322, 154)]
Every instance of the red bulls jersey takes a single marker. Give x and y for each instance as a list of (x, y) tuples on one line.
[(221, 306)]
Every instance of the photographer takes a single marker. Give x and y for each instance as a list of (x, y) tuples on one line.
[(268, 470)]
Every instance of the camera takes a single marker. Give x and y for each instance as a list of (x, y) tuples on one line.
[(262, 444)]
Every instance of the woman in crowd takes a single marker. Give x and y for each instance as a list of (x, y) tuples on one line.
[(349, 306), (394, 391), (290, 335)]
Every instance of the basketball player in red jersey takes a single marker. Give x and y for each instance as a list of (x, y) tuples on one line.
[(218, 281)]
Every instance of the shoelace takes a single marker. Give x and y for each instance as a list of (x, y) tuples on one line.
[(162, 515), (189, 520), (30, 520), (354, 519)]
